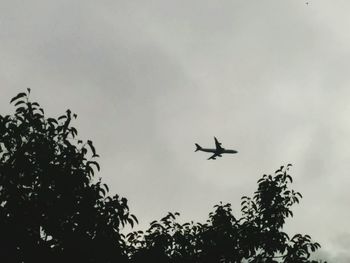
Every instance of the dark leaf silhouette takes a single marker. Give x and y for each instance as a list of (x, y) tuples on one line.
[(19, 95)]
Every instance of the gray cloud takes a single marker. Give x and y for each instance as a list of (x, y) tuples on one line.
[(147, 80)]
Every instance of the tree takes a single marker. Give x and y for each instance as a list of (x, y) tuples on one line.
[(52, 207), (255, 237)]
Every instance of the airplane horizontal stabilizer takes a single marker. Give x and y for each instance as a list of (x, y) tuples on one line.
[(197, 147)]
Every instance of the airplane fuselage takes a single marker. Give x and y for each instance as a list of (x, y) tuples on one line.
[(219, 151)]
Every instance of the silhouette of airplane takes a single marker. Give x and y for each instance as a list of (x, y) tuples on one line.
[(217, 152)]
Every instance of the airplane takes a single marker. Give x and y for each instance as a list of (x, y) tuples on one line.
[(217, 152)]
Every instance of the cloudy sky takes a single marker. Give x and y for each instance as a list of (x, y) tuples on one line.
[(148, 79)]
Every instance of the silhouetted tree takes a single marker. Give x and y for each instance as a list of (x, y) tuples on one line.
[(255, 237), (52, 209)]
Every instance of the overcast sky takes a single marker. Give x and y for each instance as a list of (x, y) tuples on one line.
[(148, 79)]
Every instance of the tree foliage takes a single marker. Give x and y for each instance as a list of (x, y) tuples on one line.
[(54, 209), (257, 236), (50, 201)]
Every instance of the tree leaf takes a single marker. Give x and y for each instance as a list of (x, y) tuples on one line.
[(19, 95)]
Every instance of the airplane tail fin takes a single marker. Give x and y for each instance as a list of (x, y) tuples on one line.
[(197, 147)]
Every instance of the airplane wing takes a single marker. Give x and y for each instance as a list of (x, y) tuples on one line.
[(217, 143), (213, 156)]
